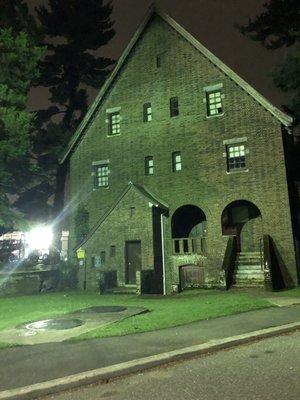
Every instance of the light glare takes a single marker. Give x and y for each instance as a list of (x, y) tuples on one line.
[(40, 238)]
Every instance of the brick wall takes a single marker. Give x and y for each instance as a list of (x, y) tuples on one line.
[(204, 180)]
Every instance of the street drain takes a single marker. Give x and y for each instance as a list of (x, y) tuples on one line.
[(54, 324), (104, 309)]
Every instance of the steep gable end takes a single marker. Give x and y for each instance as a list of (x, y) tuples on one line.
[(282, 117), (141, 191)]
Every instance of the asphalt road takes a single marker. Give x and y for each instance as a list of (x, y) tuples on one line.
[(26, 365), (265, 370)]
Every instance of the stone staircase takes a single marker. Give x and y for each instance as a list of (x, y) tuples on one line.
[(248, 271)]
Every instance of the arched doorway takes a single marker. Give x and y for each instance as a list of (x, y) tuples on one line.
[(188, 229), (243, 219)]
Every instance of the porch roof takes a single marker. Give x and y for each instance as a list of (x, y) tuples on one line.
[(142, 190)]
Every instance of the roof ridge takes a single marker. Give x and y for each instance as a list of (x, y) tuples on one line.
[(141, 189), (154, 9), (104, 216)]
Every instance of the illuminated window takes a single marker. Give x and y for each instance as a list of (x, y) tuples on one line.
[(214, 103), (147, 112), (114, 123), (176, 161), (174, 107), (149, 166), (236, 157), (101, 175)]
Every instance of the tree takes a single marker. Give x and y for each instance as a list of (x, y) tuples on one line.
[(74, 31), (277, 26), (18, 67), (14, 14)]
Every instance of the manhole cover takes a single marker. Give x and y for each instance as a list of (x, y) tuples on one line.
[(104, 309), (54, 324)]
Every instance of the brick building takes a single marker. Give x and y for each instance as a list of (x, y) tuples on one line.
[(180, 167)]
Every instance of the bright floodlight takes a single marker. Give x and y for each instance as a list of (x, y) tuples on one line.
[(40, 238)]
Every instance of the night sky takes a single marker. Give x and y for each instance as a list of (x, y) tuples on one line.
[(212, 23)]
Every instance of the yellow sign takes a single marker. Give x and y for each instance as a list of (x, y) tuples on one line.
[(80, 254)]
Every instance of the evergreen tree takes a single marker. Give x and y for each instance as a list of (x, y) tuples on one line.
[(18, 67), (74, 31), (277, 26), (15, 14)]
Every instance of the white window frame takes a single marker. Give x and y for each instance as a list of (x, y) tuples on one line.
[(176, 161), (113, 119), (149, 165), (237, 153), (101, 181), (213, 99), (147, 112)]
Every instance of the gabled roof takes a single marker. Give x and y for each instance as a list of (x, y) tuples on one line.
[(144, 192), (281, 116)]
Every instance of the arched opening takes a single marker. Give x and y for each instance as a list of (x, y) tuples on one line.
[(188, 230), (243, 219)]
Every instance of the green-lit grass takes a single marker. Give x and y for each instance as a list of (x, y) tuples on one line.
[(164, 311), (180, 310), (288, 293)]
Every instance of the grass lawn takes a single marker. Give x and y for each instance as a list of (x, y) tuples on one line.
[(288, 293), (164, 312)]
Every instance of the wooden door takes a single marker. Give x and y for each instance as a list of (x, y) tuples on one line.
[(133, 261), (191, 276)]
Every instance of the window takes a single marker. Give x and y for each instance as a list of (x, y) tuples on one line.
[(114, 120), (147, 112), (112, 251), (214, 102), (235, 157), (158, 61), (132, 211), (176, 161), (149, 166), (101, 175), (174, 107), (96, 261)]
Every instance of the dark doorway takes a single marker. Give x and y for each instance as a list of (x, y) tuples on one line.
[(243, 219), (188, 221), (132, 260), (189, 230)]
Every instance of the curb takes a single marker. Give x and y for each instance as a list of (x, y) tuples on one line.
[(129, 367)]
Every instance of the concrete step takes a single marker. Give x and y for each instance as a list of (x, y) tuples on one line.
[(250, 267), (247, 258), (241, 284), (244, 277), (244, 285), (249, 253), (249, 273), (247, 263)]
